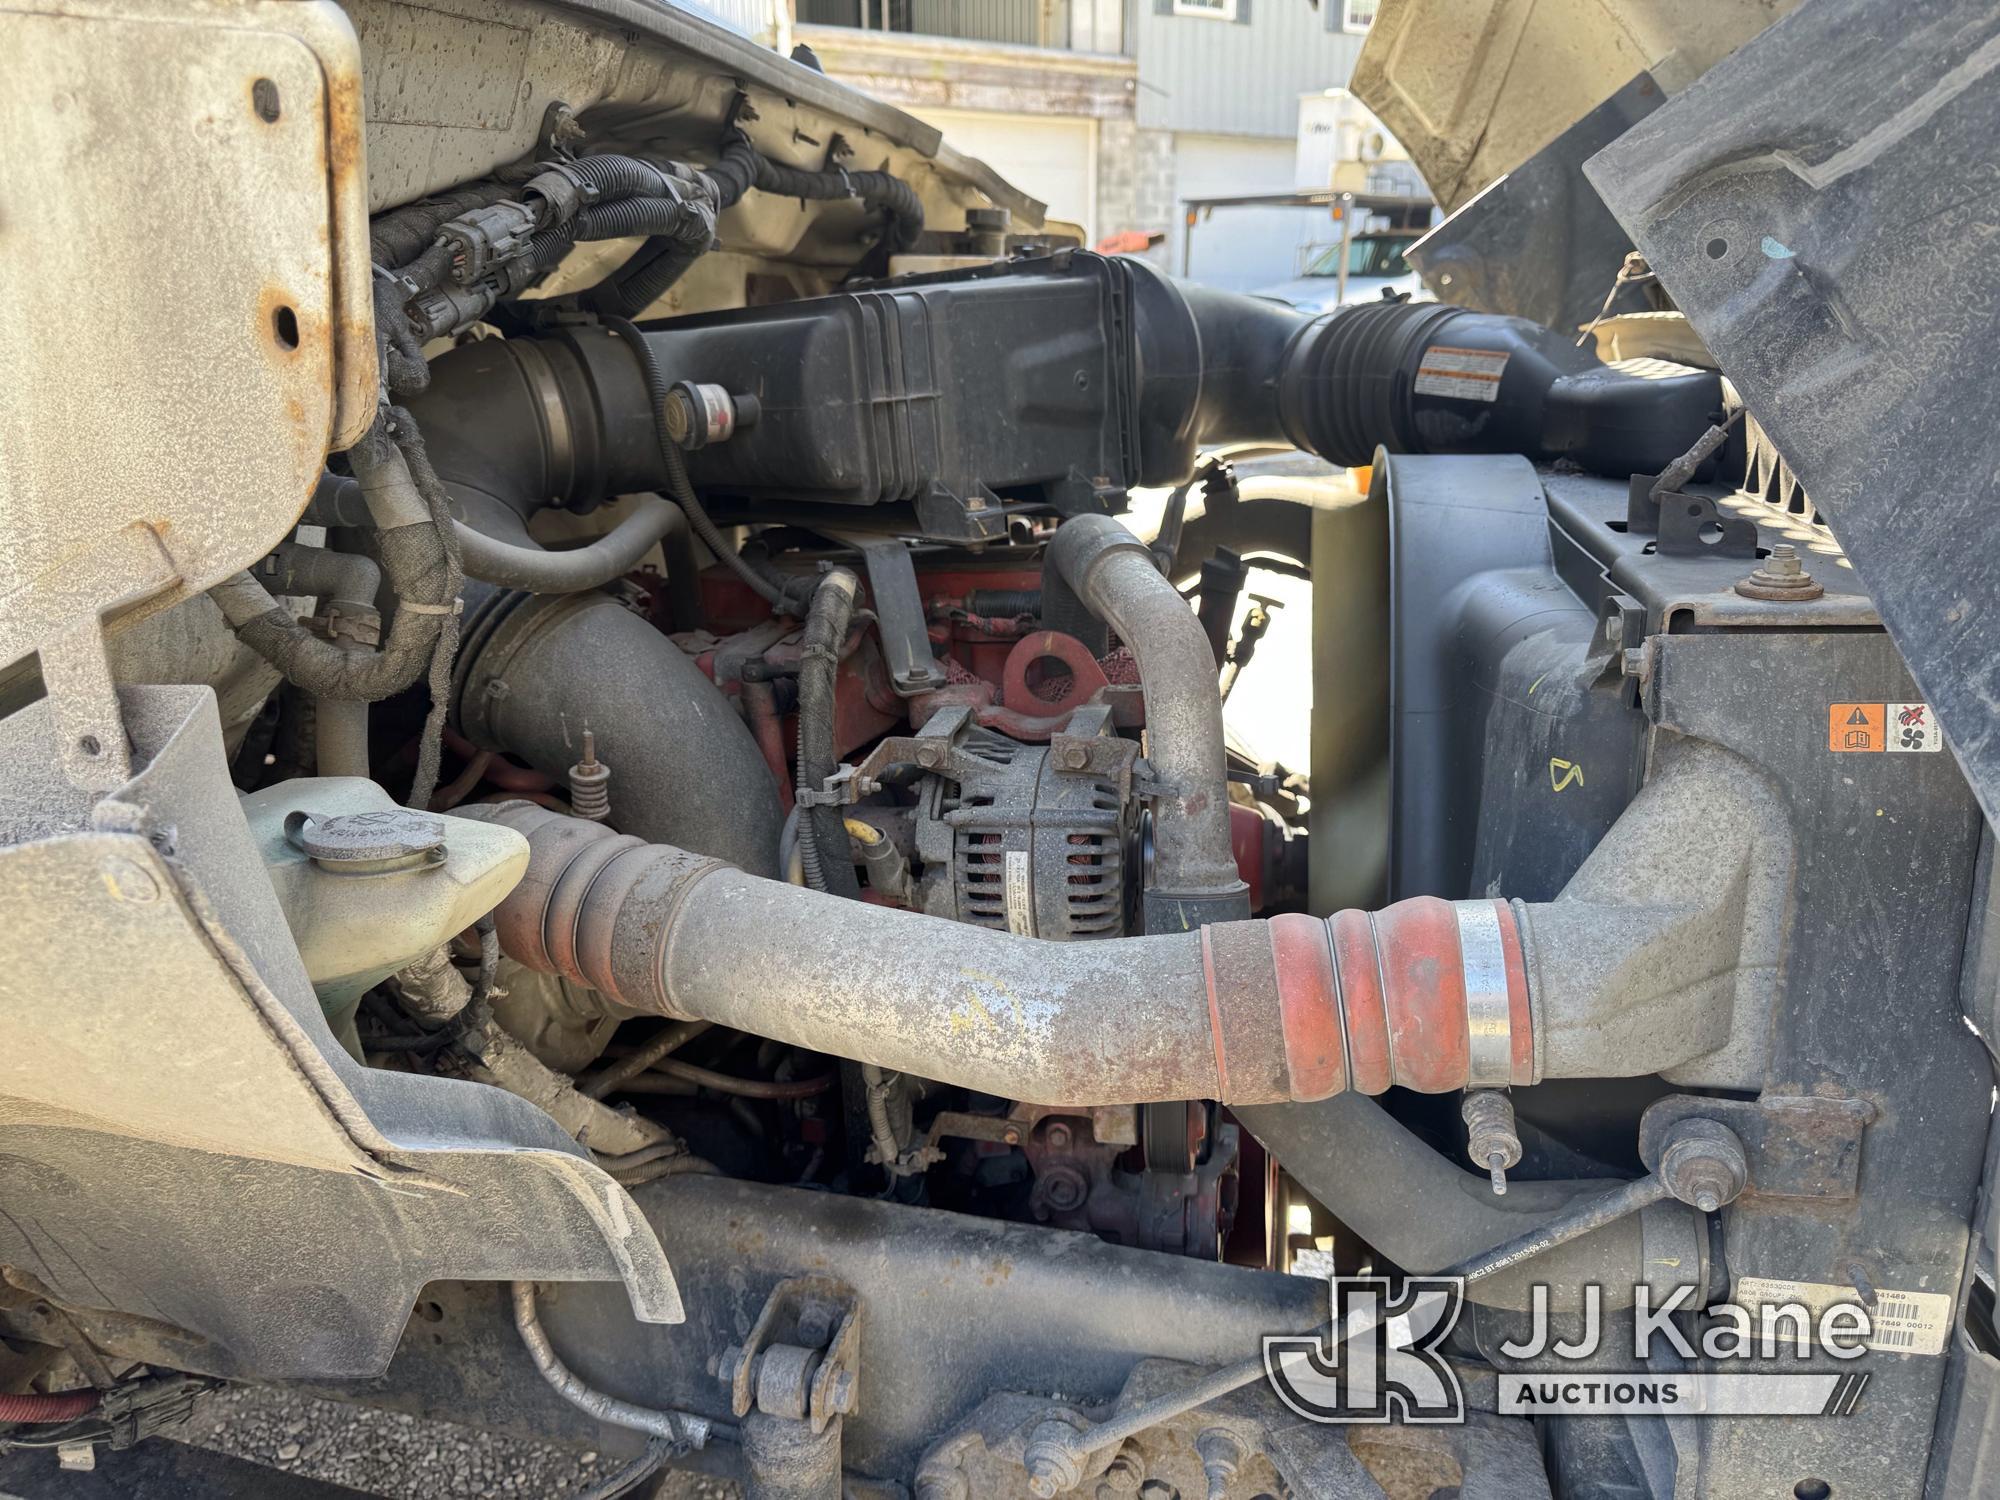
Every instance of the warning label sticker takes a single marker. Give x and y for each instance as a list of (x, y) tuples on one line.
[(1854, 726), (1898, 1322), (1905, 728), (1911, 728), (1468, 374)]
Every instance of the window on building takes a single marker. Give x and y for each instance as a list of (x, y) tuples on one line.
[(1357, 15), (1221, 10)]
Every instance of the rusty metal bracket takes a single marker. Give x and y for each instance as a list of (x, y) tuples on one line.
[(802, 1358), (1686, 525), (1798, 1147), (934, 747), (1092, 746)]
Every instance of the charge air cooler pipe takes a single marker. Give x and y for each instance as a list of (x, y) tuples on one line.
[(1651, 957), (1426, 994)]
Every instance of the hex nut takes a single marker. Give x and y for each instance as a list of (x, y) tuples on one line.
[(1063, 1188), (1704, 1164), (1052, 1462), (1124, 1474), (1781, 576)]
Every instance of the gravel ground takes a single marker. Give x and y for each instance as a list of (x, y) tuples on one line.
[(406, 1458)]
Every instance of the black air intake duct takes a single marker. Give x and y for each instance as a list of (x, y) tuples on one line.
[(1063, 381)]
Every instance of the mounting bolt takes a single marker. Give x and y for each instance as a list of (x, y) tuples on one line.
[(930, 757), (1053, 1464), (1075, 757), (1490, 1137), (590, 783), (727, 1366), (1780, 576), (1058, 1135), (1221, 1456), (1704, 1163)]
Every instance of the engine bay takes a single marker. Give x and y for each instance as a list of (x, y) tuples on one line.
[(672, 870)]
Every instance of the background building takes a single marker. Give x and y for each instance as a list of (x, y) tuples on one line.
[(1113, 112)]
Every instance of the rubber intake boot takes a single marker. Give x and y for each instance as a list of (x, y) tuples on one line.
[(1422, 377)]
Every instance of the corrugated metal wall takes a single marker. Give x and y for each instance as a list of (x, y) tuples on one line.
[(752, 17), (1009, 21), (1238, 78)]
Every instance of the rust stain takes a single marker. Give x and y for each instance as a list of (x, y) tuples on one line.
[(346, 158)]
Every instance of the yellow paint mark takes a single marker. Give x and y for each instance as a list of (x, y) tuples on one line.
[(1535, 684), (1564, 773), (973, 1012)]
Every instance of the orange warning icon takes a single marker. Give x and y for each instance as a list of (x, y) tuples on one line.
[(1856, 726)]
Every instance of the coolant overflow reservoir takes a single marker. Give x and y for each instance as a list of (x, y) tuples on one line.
[(368, 886)]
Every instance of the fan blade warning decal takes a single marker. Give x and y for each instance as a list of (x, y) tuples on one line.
[(1913, 728), (1901, 728)]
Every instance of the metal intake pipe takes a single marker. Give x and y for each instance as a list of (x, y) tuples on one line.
[(1426, 994), (1194, 871)]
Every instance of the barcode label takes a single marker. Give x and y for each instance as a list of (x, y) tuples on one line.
[(1900, 1322)]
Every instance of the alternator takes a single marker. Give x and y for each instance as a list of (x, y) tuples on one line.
[(1038, 840)]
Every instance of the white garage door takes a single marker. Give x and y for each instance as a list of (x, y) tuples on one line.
[(1050, 157), (1240, 249)]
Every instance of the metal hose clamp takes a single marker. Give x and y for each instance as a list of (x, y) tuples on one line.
[(1488, 1016)]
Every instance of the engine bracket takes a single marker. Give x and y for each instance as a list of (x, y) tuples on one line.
[(1799, 1147)]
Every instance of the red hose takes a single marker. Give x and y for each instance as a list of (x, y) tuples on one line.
[(66, 1407)]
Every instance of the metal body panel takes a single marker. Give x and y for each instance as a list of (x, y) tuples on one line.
[(1806, 227), (181, 1136), (1539, 243), (1473, 88), (459, 88), (1868, 1010), (155, 353)]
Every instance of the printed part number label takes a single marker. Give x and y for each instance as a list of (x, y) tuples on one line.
[(1900, 728), (1899, 1322), (1468, 374), (1020, 889)]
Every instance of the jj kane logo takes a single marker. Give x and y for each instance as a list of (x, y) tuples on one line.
[(1380, 1357), (1378, 1360)]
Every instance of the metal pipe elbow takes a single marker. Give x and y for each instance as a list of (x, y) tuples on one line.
[(536, 570), (1110, 569)]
